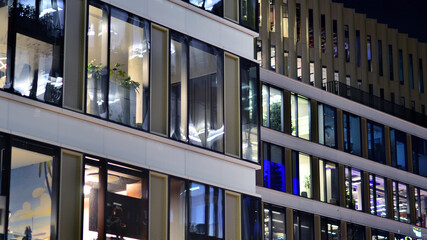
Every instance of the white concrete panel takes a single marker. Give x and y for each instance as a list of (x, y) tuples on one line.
[(32, 121), (127, 147), (341, 103), (202, 167), (166, 157), (138, 7), (80, 134), (236, 42), (244, 178), (203, 29), (162, 12), (4, 106), (337, 156)]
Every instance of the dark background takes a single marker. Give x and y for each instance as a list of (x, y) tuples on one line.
[(408, 16)]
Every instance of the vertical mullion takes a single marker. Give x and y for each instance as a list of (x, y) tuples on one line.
[(108, 61)]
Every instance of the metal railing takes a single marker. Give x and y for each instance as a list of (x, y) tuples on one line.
[(378, 103)]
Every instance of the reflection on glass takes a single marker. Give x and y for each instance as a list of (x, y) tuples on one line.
[(213, 6), (248, 14), (419, 155), (178, 88), (330, 229), (304, 174), (328, 175), (90, 191), (353, 188), (274, 167), (352, 134), (421, 207), (30, 200), (177, 200), (303, 226), (400, 202), (355, 232), (376, 142), (205, 123), (378, 199), (4, 14), (379, 235), (128, 69), (38, 55), (300, 117), (265, 106), (327, 121), (267, 223), (398, 149), (276, 110), (249, 107), (278, 225), (205, 211), (97, 73), (251, 218)]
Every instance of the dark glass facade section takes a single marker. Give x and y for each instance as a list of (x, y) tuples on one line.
[(401, 202), (353, 188), (35, 57), (251, 218), (327, 125), (298, 19), (335, 37), (378, 195), (421, 207), (303, 226), (352, 130), (369, 49), (249, 14), (379, 235), (355, 232), (323, 32), (419, 155), (401, 76), (272, 108), (249, 94), (398, 149), (421, 76), (390, 62), (310, 29), (376, 142), (358, 50), (347, 43), (330, 229), (411, 71), (274, 167), (274, 223), (380, 57), (205, 216)]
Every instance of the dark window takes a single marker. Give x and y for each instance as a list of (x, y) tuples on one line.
[(369, 48), (274, 167), (303, 226), (298, 18), (355, 232), (347, 43), (398, 149), (379, 235), (371, 89), (411, 71), (249, 80), (310, 29), (330, 229), (328, 176), (421, 79), (358, 51), (36, 49), (421, 207), (323, 32), (249, 12), (401, 77), (251, 218), (272, 108), (378, 195), (382, 93), (392, 97), (380, 57), (335, 37), (419, 155), (402, 101), (274, 222), (353, 188), (401, 202), (301, 174), (327, 125), (390, 62), (352, 140), (376, 143)]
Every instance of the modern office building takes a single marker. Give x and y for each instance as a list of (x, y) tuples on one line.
[(152, 119)]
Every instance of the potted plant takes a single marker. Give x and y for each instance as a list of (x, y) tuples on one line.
[(307, 184)]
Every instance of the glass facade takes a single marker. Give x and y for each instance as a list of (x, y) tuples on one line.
[(274, 167), (300, 116), (301, 175), (329, 182), (419, 155), (376, 142), (398, 149), (327, 116), (400, 202), (355, 232), (352, 130), (353, 188), (378, 195), (421, 207), (272, 108), (330, 229), (303, 226), (274, 223), (251, 218)]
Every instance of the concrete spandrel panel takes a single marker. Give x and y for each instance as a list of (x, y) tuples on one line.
[(238, 176), (125, 146), (4, 106), (137, 7), (167, 13), (32, 121), (202, 167), (203, 28), (80, 134), (237, 42), (165, 157)]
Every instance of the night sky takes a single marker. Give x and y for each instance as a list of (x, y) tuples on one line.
[(408, 16)]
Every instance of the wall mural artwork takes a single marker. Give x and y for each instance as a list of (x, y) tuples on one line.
[(30, 202)]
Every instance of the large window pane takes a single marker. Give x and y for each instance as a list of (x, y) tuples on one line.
[(376, 142), (90, 191), (378, 194), (249, 14), (352, 140), (329, 189), (303, 226), (178, 88), (300, 117), (39, 49), (355, 232), (274, 222), (274, 167), (32, 190), (249, 109), (419, 155), (398, 149), (128, 69), (400, 202), (97, 60), (206, 127), (421, 207), (353, 188), (251, 218), (301, 183), (4, 14), (330, 229), (327, 125), (276, 109)]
